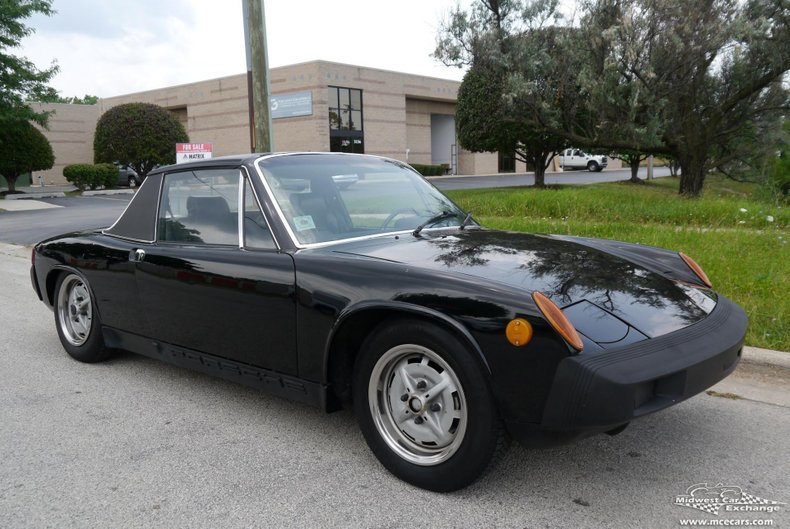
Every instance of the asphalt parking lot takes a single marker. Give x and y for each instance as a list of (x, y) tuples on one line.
[(59, 215), (136, 443)]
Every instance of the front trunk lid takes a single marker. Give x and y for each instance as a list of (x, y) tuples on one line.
[(641, 295)]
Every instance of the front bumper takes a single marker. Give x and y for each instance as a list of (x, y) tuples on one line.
[(599, 392)]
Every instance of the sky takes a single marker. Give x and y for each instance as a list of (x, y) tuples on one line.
[(108, 47)]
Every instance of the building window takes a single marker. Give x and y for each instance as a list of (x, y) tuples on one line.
[(345, 120), (507, 162)]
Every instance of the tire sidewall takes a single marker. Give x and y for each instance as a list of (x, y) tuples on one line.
[(93, 349), (592, 167), (483, 425)]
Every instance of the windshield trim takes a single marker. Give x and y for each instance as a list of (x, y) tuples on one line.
[(306, 246)]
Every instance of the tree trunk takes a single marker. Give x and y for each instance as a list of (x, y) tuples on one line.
[(540, 172), (11, 179), (634, 164), (673, 167), (692, 175)]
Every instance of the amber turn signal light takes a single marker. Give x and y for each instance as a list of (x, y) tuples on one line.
[(696, 269), (557, 319), (518, 332)]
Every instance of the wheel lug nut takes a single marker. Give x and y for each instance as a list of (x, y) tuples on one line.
[(436, 406), (421, 384), (418, 420), (404, 397)]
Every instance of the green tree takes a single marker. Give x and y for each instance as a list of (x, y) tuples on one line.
[(483, 125), (688, 79), (20, 80), (710, 71), (71, 100), (140, 135), (504, 42), (23, 149), (633, 159)]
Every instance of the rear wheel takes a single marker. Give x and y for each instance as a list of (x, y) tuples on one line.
[(424, 406), (77, 321)]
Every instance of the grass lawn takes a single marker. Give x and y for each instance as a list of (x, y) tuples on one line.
[(739, 239)]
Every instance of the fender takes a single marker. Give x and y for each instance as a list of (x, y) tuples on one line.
[(69, 269), (407, 308)]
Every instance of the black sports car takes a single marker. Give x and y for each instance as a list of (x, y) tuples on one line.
[(447, 337)]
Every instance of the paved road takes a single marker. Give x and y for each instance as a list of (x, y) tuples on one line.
[(528, 179), (74, 213), (136, 443)]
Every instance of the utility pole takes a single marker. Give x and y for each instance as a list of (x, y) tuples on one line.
[(257, 76)]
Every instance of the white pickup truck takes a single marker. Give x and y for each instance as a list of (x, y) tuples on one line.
[(578, 159)]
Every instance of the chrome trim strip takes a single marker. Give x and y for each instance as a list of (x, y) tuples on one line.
[(275, 202), (130, 239), (240, 210), (159, 205), (260, 208), (371, 236)]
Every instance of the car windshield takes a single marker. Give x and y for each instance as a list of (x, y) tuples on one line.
[(328, 198)]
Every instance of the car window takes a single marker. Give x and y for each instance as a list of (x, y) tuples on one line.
[(257, 234), (200, 207), (330, 198)]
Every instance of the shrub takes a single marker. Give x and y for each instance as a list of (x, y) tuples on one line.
[(23, 149), (429, 169), (90, 175), (140, 135)]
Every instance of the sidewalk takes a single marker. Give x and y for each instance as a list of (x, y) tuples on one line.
[(56, 191), (34, 192)]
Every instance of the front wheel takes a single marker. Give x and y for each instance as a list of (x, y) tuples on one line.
[(425, 407), (77, 321), (132, 182), (593, 167)]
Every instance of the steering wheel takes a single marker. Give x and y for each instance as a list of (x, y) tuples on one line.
[(399, 211)]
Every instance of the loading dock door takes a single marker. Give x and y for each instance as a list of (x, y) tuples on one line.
[(442, 138)]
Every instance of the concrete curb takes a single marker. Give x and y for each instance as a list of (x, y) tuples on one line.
[(98, 192), (766, 357), (36, 196)]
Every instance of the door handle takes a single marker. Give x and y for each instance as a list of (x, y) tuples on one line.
[(137, 255)]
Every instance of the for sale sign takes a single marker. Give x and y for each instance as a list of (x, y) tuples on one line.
[(192, 152)]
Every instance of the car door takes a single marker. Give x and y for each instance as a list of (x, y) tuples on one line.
[(214, 280)]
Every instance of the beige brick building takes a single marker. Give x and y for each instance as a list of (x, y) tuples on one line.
[(317, 106)]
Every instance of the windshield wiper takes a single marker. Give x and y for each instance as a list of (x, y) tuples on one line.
[(433, 220), (466, 220)]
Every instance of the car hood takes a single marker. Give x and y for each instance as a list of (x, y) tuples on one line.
[(586, 279)]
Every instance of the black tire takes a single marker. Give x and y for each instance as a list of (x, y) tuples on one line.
[(132, 182), (593, 166), (461, 420), (77, 319)]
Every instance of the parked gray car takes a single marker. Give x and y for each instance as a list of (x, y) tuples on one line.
[(128, 176)]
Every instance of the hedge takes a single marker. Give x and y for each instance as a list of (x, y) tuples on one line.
[(90, 175), (429, 170)]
